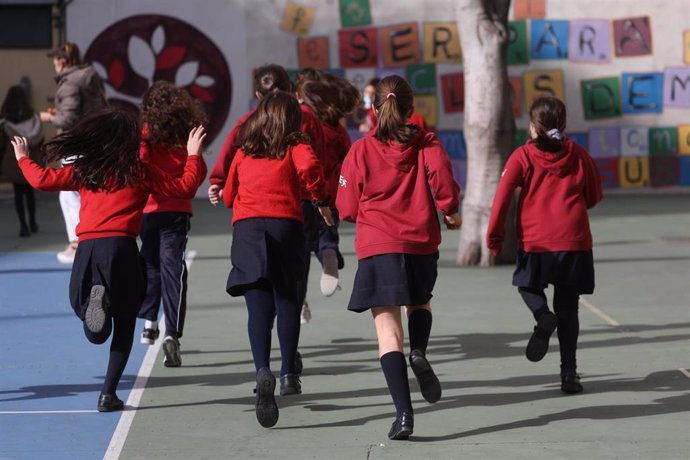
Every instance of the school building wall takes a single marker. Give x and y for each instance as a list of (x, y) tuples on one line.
[(623, 67)]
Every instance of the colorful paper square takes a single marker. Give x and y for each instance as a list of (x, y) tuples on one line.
[(360, 76), (632, 36), (634, 141), (549, 39), (664, 171), (313, 52), (677, 87), (517, 95), (427, 106), (609, 170), (604, 142), (526, 9), (581, 139), (642, 92), (298, 18), (422, 78), (518, 52), (454, 143), (358, 47), (684, 170), (601, 98), (453, 90), (400, 44), (634, 172), (442, 42), (663, 140), (686, 47), (355, 13), (684, 139), (521, 137), (590, 40), (542, 83)]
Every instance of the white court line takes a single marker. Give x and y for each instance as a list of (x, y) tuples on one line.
[(599, 313), (685, 372), (86, 411), (117, 442)]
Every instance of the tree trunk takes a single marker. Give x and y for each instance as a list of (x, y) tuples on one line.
[(489, 125)]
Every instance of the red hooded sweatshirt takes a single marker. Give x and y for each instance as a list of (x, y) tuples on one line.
[(556, 191), (222, 165), (338, 143), (392, 192)]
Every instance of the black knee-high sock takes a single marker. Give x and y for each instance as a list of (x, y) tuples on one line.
[(419, 327), (19, 193), (261, 310), (288, 309), (535, 300), (120, 348), (30, 203), (395, 370), (565, 305)]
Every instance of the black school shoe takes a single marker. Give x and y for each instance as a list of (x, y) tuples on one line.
[(290, 385), (538, 344), (402, 427), (570, 383), (266, 407), (97, 311), (109, 403), (428, 382)]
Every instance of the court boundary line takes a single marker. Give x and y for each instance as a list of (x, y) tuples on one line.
[(117, 442), (600, 313)]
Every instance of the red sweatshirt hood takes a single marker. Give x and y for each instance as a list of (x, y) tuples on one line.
[(560, 164), (401, 156)]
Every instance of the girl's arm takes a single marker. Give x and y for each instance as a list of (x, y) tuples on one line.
[(511, 178), (593, 187), (47, 179), (194, 171), (349, 188), (232, 183), (439, 171), (310, 173)]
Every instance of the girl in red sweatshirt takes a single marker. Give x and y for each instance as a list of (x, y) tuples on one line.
[(267, 254), (396, 170), (168, 114), (558, 183), (106, 287)]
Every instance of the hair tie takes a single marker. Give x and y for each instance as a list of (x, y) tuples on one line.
[(391, 95), (555, 134)]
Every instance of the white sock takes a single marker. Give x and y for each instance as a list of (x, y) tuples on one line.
[(151, 325)]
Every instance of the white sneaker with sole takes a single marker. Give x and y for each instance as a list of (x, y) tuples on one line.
[(67, 255), (305, 317), (329, 278)]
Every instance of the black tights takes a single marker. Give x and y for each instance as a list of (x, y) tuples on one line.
[(263, 303), (120, 348), (565, 305), (20, 192)]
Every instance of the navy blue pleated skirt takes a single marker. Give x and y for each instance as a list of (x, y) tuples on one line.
[(115, 263), (393, 279), (267, 250), (568, 268)]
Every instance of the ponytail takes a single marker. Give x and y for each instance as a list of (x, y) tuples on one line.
[(548, 117), (394, 103)]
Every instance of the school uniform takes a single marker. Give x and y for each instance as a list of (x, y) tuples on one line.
[(107, 254), (267, 253), (219, 173), (552, 225), (164, 231), (393, 192)]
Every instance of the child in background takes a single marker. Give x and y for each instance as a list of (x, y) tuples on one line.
[(559, 182), (107, 284), (17, 118), (267, 253), (168, 114), (267, 79), (331, 98), (398, 170), (368, 95)]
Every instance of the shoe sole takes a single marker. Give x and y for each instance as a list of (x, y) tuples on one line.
[(401, 435), (172, 354), (266, 407), (147, 341), (426, 378), (96, 313), (119, 406), (537, 347), (329, 284)]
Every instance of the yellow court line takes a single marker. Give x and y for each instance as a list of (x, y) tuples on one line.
[(599, 313)]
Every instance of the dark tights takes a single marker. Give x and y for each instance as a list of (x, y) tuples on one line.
[(22, 191), (565, 305), (263, 304), (120, 348)]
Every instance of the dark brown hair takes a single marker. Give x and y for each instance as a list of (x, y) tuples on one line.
[(69, 52), (170, 113), (273, 127), (548, 113), (105, 149), (331, 98), (306, 75), (271, 77), (394, 102), (16, 106)]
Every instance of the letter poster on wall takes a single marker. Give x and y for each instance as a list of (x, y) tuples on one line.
[(663, 171), (642, 92), (677, 87), (590, 40), (526, 9), (684, 139), (358, 47), (427, 107), (549, 39), (686, 47), (601, 98), (632, 36), (663, 140), (313, 52), (634, 172), (400, 45), (542, 83), (442, 42), (517, 95), (355, 13), (609, 170), (453, 90), (604, 142), (634, 141), (518, 51), (422, 78), (298, 18)]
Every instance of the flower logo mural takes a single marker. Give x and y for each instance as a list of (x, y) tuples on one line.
[(134, 52)]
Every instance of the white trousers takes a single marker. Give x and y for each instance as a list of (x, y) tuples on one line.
[(70, 204)]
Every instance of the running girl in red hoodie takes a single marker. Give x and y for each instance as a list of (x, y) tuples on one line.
[(397, 170), (267, 254), (106, 287), (330, 98), (558, 183), (168, 114), (268, 78)]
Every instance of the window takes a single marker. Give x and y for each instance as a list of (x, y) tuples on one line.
[(26, 26)]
